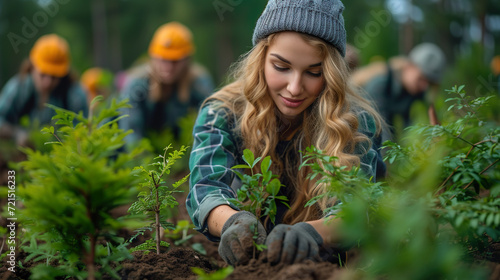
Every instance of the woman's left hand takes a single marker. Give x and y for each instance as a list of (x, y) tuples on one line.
[(293, 244)]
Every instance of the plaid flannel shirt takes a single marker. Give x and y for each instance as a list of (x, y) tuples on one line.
[(216, 149)]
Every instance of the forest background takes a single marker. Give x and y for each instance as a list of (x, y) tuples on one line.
[(115, 34)]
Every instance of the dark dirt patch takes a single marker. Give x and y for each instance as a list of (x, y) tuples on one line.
[(175, 264), (307, 270), (20, 273)]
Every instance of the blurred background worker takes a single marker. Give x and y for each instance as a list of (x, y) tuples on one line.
[(97, 81), (168, 87), (44, 78), (352, 57), (395, 85), (495, 69)]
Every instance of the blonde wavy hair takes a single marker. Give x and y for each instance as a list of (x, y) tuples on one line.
[(330, 123)]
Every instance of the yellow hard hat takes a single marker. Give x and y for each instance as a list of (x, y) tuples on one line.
[(171, 41), (50, 55)]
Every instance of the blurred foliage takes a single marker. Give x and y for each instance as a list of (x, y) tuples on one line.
[(113, 34), (220, 274), (439, 208), (157, 140)]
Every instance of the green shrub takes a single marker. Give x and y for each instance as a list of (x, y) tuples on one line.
[(70, 192), (439, 204)]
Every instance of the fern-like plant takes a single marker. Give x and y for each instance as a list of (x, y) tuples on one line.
[(155, 197)]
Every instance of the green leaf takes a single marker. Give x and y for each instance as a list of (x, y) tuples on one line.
[(490, 219), (52, 142), (96, 99), (460, 88), (241, 166), (248, 157), (459, 221), (273, 187), (265, 164)]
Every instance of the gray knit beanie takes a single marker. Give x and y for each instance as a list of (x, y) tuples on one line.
[(319, 18), (430, 59)]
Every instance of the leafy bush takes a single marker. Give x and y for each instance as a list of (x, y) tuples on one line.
[(439, 203)]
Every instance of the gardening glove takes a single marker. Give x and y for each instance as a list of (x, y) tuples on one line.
[(293, 244), (236, 243)]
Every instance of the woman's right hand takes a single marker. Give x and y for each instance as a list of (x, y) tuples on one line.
[(236, 246)]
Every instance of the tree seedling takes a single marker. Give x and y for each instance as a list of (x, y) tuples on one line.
[(259, 191), (72, 189), (155, 197)]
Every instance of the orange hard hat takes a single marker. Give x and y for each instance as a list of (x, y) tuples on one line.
[(50, 55), (171, 41), (495, 65), (91, 78)]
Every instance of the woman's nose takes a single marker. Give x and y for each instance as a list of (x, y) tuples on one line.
[(295, 84)]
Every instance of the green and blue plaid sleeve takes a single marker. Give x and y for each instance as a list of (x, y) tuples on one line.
[(213, 154)]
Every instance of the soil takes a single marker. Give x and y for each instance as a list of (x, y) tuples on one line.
[(307, 270), (176, 262), (174, 265)]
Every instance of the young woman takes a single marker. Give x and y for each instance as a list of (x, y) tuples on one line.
[(44, 78), (290, 92), (166, 89)]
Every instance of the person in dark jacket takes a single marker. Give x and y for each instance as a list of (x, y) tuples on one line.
[(44, 78), (395, 85)]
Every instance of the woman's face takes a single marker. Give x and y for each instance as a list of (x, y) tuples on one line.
[(169, 71), (44, 83), (294, 74), (414, 80)]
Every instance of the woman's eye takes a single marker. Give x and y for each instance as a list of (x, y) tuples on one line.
[(315, 74), (281, 69)]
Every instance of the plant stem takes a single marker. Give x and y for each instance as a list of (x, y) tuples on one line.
[(90, 258), (89, 262), (55, 135), (466, 156), (157, 216), (480, 173), (157, 213)]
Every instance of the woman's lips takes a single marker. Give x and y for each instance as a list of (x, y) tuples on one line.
[(292, 102)]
